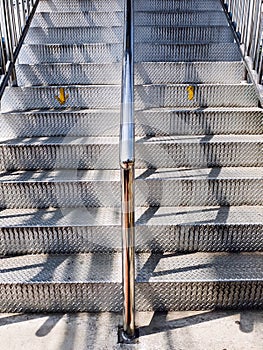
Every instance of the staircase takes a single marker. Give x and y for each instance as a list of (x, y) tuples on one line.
[(199, 193)]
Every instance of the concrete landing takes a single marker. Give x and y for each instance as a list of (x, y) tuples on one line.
[(231, 330)]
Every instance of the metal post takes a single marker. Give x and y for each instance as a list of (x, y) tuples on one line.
[(127, 159), (128, 235)]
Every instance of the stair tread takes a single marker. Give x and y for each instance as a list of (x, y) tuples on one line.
[(151, 268), (148, 110), (179, 174), (90, 140), (118, 64), (109, 217)]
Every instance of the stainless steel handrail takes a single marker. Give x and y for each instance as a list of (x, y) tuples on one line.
[(15, 18), (246, 18), (127, 159)]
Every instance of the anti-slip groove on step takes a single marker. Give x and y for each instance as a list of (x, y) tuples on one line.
[(68, 74), (83, 53), (86, 282), (163, 229), (117, 5), (152, 122), (72, 188), (151, 34), (144, 73), (93, 18), (76, 35), (153, 152), (82, 19), (108, 53), (146, 96)]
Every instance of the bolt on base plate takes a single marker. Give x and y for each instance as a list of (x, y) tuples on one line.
[(124, 339)]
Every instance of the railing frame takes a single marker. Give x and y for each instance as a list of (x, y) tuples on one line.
[(16, 16), (245, 18), (127, 160)]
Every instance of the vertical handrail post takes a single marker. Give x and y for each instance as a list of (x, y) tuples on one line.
[(14, 24), (127, 159)]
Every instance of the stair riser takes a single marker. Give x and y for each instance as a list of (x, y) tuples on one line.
[(69, 74), (148, 123), (198, 296), (95, 297), (101, 19), (97, 53), (105, 239), (150, 96), (117, 5), (198, 155), (148, 192), (146, 96), (79, 35), (106, 156), (108, 53), (145, 73)]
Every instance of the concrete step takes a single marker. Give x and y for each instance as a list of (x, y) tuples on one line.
[(92, 282), (108, 53), (146, 96), (117, 5), (142, 34), (154, 187), (148, 18), (158, 229), (149, 122), (153, 152), (144, 73)]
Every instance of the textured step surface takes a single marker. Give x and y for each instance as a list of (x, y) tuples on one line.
[(100, 19), (158, 229), (114, 34), (153, 152), (170, 281), (108, 53), (146, 96), (68, 74), (117, 5), (144, 73), (160, 187), (151, 122)]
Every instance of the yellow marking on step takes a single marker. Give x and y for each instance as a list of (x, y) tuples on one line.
[(62, 98), (191, 92)]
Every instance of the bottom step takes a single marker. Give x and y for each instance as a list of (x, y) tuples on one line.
[(92, 282)]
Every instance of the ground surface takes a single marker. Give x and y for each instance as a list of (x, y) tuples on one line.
[(207, 330)]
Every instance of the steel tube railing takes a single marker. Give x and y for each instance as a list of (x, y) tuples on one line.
[(246, 18), (127, 159), (15, 18)]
